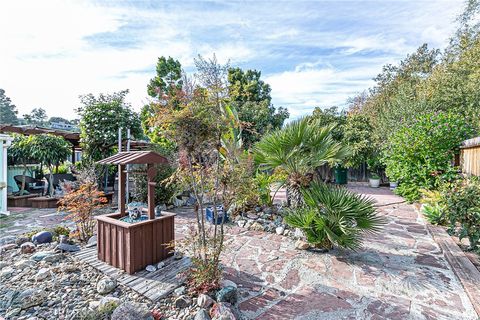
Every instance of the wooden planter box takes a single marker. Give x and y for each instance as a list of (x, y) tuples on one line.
[(21, 201), (133, 246), (44, 202)]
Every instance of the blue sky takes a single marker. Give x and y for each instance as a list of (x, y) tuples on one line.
[(312, 53)]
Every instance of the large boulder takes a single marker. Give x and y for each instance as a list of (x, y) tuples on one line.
[(41, 255), (29, 298), (42, 237), (7, 240), (183, 302), (131, 311), (68, 247)]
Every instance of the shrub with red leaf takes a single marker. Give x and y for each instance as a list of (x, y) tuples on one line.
[(81, 205)]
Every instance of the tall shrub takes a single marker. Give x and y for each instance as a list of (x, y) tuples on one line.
[(50, 150), (420, 155)]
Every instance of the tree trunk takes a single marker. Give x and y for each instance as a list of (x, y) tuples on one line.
[(50, 181), (22, 189), (294, 196)]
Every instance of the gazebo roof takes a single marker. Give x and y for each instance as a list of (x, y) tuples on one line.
[(134, 157)]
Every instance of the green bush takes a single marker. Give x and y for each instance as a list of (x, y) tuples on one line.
[(163, 192), (462, 202), (419, 155), (334, 216)]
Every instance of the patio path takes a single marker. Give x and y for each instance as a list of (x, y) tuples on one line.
[(399, 274)]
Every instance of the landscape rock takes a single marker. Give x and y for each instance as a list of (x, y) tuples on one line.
[(7, 240), (6, 272), (42, 274), (151, 268), (204, 301), (256, 227), (228, 283), (20, 240), (3, 264), (252, 216), (298, 233), (27, 247), (279, 230), (227, 294), (201, 314), (182, 302), (177, 255), (42, 237), (241, 223), (53, 258), (29, 298), (301, 245), (106, 285), (24, 263), (68, 247), (63, 238), (131, 311), (160, 265), (8, 246), (179, 291), (222, 311), (92, 242), (106, 300)]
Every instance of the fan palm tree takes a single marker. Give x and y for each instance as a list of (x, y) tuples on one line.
[(334, 216), (298, 148)]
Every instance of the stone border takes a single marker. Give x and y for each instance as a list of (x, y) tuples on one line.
[(463, 268)]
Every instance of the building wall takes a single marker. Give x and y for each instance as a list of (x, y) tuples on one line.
[(470, 160)]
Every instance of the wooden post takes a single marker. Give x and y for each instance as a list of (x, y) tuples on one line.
[(151, 171), (121, 190), (73, 153)]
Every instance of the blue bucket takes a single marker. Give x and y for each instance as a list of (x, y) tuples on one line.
[(210, 215)]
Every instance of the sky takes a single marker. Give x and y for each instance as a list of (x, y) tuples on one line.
[(312, 53)]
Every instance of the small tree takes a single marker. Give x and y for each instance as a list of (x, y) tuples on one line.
[(196, 119), (20, 152), (81, 204), (50, 150)]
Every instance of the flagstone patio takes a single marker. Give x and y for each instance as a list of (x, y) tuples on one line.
[(401, 273)]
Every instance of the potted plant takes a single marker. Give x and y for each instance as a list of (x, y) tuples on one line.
[(374, 180), (393, 185)]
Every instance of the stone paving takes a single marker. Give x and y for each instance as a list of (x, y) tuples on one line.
[(398, 274)]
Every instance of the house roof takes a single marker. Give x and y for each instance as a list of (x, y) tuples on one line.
[(134, 157)]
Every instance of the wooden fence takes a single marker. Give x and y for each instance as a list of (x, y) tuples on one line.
[(470, 156)]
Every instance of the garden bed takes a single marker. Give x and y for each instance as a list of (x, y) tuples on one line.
[(21, 201), (133, 246), (44, 202)]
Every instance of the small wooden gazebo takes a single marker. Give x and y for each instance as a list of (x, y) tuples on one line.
[(133, 246)]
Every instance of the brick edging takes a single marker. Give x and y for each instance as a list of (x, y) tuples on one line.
[(463, 268)]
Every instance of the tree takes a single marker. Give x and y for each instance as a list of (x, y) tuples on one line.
[(331, 117), (58, 119), (81, 205), (101, 117), (50, 150), (20, 152), (250, 96), (165, 86), (299, 148), (37, 117), (8, 111), (196, 122), (167, 80)]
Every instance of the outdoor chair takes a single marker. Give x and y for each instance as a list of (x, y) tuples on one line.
[(32, 185), (60, 177)]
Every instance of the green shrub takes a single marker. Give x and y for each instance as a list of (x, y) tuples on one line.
[(462, 203), (433, 207), (163, 192), (419, 155), (334, 216)]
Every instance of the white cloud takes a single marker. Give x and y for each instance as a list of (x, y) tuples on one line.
[(313, 53)]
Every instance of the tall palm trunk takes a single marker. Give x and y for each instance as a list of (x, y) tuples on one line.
[(294, 196)]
